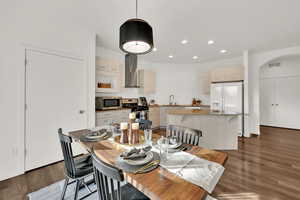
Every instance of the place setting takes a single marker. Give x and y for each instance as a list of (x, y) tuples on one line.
[(138, 160), (172, 144), (96, 134)]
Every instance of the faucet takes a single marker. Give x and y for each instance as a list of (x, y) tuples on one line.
[(171, 99)]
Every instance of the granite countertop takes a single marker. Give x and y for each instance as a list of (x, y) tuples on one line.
[(157, 105), (200, 112), (113, 109), (178, 105)]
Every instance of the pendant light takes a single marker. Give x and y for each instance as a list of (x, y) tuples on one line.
[(136, 35)]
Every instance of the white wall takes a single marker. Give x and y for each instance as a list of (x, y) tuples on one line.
[(185, 81), (255, 61), (289, 66), (34, 24)]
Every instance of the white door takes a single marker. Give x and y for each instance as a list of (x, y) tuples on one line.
[(287, 103), (55, 95), (267, 102)]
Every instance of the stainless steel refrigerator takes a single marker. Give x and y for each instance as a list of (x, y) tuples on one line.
[(228, 97)]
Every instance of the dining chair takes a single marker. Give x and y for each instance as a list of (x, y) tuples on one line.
[(145, 124), (184, 134), (109, 178), (75, 169)]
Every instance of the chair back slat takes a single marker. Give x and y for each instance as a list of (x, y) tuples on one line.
[(185, 135), (112, 194), (66, 146), (106, 177)]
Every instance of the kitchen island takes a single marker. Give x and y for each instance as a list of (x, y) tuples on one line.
[(219, 129)]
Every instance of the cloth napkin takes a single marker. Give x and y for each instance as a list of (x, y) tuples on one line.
[(198, 171), (135, 153)]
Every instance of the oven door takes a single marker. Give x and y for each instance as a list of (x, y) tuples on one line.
[(113, 103)]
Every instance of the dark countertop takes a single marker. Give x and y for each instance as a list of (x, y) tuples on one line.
[(158, 105)]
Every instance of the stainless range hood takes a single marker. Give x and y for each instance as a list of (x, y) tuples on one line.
[(131, 74)]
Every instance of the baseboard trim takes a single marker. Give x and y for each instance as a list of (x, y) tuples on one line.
[(293, 129)]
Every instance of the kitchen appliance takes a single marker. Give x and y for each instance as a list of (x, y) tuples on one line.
[(108, 103), (131, 74), (131, 103), (228, 97), (139, 106)]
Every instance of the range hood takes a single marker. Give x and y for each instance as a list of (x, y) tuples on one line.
[(131, 74)]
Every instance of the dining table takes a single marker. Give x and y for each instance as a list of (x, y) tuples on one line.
[(158, 183)]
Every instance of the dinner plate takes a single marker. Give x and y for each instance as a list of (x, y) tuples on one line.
[(97, 134), (140, 161), (174, 146)]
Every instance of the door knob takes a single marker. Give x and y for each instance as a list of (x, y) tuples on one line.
[(81, 111)]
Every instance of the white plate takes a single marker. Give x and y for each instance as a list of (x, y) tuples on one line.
[(148, 158), (96, 136), (174, 146), (171, 146)]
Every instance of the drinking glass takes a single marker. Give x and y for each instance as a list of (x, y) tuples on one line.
[(148, 136), (164, 146)]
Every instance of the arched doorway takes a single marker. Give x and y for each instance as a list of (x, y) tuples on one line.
[(256, 61), (280, 92)]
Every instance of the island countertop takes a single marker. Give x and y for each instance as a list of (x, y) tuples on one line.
[(200, 112)]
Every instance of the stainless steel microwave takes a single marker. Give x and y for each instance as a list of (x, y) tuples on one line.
[(108, 103)]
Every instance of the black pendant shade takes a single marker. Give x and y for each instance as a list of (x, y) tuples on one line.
[(136, 37)]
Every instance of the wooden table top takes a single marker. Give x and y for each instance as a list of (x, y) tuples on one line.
[(159, 183)]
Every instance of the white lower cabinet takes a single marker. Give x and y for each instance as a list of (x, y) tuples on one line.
[(154, 116), (279, 102), (164, 114), (112, 116)]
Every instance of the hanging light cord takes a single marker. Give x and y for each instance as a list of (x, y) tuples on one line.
[(136, 8)]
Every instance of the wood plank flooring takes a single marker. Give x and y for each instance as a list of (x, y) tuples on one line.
[(264, 167)]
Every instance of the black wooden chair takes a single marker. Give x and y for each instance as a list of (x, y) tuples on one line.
[(108, 179), (185, 135), (75, 169)]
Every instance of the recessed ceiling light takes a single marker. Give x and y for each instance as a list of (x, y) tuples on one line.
[(184, 41), (223, 51), (171, 56), (210, 42), (154, 49), (195, 57)]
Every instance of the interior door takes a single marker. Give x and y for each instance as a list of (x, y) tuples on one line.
[(55, 98), (267, 102), (287, 102)]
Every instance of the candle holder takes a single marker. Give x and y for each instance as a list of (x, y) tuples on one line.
[(124, 136), (135, 133), (124, 133)]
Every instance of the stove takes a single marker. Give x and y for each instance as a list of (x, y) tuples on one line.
[(139, 106)]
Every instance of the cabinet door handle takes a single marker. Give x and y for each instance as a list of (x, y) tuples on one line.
[(272, 104), (81, 111)]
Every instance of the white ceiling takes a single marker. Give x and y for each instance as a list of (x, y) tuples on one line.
[(234, 25)]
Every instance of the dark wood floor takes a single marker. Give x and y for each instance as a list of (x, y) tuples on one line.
[(264, 167)]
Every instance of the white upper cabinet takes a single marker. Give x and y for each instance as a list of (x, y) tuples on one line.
[(227, 74), (108, 75), (147, 82)]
